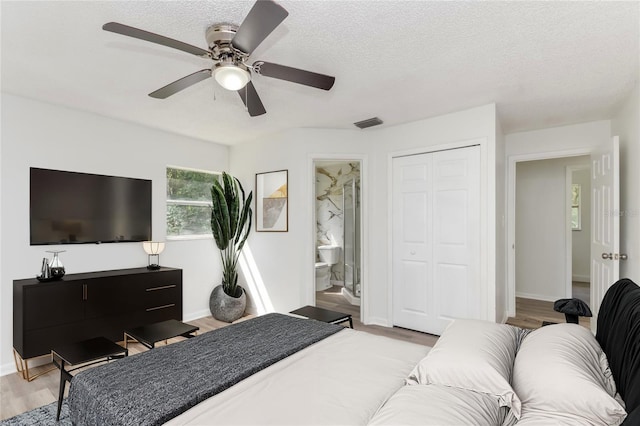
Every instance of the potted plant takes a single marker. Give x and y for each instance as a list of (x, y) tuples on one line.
[(230, 224)]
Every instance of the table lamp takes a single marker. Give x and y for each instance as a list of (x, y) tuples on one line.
[(153, 249)]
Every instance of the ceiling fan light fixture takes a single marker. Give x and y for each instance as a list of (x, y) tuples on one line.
[(231, 76)]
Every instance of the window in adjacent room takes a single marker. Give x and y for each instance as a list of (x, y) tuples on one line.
[(576, 223), (189, 202)]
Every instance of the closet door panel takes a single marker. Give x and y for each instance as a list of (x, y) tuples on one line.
[(412, 224)]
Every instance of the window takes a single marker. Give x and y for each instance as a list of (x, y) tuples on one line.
[(576, 223), (189, 202)]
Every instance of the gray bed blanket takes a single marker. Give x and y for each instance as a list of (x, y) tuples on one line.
[(153, 387)]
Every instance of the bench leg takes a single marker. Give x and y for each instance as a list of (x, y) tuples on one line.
[(63, 382), (350, 322), (65, 377)]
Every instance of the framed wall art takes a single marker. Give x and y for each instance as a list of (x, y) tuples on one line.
[(272, 202)]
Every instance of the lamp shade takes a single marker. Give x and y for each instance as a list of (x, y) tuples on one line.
[(153, 247), (231, 76)]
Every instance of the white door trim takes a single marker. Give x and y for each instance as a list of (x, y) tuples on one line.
[(487, 230), (365, 301), (568, 230), (512, 160)]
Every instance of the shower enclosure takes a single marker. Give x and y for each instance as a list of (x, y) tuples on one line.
[(351, 237)]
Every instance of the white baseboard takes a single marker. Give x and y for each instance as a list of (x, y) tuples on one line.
[(10, 367), (581, 278), (7, 368), (544, 297), (251, 310), (196, 315), (384, 322)]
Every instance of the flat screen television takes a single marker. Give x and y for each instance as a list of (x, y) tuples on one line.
[(75, 208)]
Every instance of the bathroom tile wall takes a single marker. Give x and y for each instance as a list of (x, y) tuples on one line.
[(330, 178)]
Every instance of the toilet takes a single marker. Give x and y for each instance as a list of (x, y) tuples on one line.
[(322, 276), (329, 255)]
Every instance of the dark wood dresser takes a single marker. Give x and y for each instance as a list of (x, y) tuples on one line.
[(82, 306)]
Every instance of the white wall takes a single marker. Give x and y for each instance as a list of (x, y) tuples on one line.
[(626, 124), (42, 135), (581, 239), (541, 225), (562, 139)]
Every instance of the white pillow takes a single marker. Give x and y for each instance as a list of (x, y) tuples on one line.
[(474, 355), (562, 373), (435, 405)]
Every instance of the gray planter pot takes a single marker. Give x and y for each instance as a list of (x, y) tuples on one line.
[(227, 308)]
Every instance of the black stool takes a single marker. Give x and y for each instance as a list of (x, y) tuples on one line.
[(86, 353), (572, 309)]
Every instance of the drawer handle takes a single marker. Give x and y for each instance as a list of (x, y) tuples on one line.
[(161, 307), (160, 288)]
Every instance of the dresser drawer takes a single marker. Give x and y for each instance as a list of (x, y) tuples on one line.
[(162, 295)]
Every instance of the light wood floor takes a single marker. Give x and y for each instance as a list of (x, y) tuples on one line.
[(531, 313)]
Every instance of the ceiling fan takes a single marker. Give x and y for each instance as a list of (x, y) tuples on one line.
[(229, 48)]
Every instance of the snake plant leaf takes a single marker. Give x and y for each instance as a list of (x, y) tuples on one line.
[(221, 212), (247, 213), (215, 224), (234, 213)]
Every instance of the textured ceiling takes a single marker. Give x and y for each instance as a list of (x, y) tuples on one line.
[(542, 63)]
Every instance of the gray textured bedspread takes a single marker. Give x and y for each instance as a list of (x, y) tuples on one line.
[(153, 387)]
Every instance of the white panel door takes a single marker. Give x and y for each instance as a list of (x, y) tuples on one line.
[(605, 222), (456, 235), (436, 238), (412, 237)]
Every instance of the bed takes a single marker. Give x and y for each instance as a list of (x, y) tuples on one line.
[(279, 370)]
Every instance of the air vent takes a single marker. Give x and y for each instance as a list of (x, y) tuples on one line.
[(370, 122)]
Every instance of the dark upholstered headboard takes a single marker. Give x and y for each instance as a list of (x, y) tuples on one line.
[(619, 335)]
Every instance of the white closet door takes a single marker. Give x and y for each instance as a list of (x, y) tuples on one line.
[(412, 241), (436, 238)]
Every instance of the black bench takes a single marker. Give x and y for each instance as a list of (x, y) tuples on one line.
[(149, 335), (86, 352), (324, 315)]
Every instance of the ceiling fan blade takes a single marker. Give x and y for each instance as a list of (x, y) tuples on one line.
[(263, 18), (115, 27), (181, 84), (294, 75), (254, 106)]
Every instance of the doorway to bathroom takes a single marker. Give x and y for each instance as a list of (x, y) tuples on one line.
[(338, 234)]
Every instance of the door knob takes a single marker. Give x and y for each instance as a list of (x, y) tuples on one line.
[(623, 256), (607, 256)]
